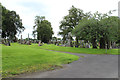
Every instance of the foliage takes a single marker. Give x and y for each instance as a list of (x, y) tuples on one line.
[(100, 27), (43, 29), (70, 21), (11, 23)]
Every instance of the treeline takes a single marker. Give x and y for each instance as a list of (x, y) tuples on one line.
[(94, 28), (12, 25)]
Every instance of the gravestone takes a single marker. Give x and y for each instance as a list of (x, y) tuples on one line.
[(39, 44), (21, 41), (69, 41), (3, 41), (114, 45), (49, 42), (24, 41), (28, 42), (57, 43), (8, 44), (54, 42), (87, 45)]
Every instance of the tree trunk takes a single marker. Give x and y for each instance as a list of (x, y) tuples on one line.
[(94, 43), (108, 45), (102, 43), (77, 44)]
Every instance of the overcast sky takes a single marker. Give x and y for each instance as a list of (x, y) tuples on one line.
[(54, 10)]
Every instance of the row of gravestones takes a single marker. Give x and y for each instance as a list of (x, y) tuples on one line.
[(71, 44), (28, 42), (24, 42), (114, 45), (81, 44)]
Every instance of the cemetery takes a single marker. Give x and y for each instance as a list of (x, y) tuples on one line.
[(35, 56), (89, 37)]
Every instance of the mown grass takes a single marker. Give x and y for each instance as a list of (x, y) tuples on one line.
[(79, 50), (18, 59)]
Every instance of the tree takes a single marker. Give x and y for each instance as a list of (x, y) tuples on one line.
[(70, 21), (11, 24), (100, 27), (43, 29), (86, 30), (109, 33), (118, 41)]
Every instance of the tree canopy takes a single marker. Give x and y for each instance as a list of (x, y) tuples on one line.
[(100, 27), (70, 21), (43, 29), (11, 23)]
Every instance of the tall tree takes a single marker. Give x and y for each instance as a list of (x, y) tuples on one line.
[(109, 32), (43, 29), (70, 21), (100, 27), (11, 23), (87, 30)]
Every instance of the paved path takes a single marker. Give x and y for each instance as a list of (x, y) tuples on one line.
[(90, 66)]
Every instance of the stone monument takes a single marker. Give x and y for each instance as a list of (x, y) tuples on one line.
[(69, 41)]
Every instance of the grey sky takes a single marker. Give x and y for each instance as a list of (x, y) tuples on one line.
[(54, 10)]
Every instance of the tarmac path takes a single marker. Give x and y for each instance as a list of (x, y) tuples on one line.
[(89, 66)]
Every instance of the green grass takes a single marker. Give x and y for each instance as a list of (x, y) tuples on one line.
[(18, 59), (79, 50)]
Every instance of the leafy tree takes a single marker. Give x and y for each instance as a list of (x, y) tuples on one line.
[(70, 21), (100, 27), (0, 17), (43, 29), (87, 30), (11, 24), (54, 38), (118, 41), (109, 32), (59, 39)]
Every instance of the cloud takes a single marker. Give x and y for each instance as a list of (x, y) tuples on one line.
[(54, 10)]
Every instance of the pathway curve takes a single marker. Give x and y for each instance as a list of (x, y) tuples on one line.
[(89, 66)]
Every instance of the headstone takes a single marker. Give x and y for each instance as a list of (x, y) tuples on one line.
[(114, 45), (89, 45), (28, 42), (49, 42), (76, 44), (86, 45), (8, 43), (39, 44), (69, 42), (28, 36), (24, 42), (57, 44), (21, 41)]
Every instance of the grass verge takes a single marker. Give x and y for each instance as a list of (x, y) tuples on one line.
[(79, 50), (18, 59)]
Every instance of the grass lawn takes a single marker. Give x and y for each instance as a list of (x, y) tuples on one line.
[(79, 50), (17, 59)]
